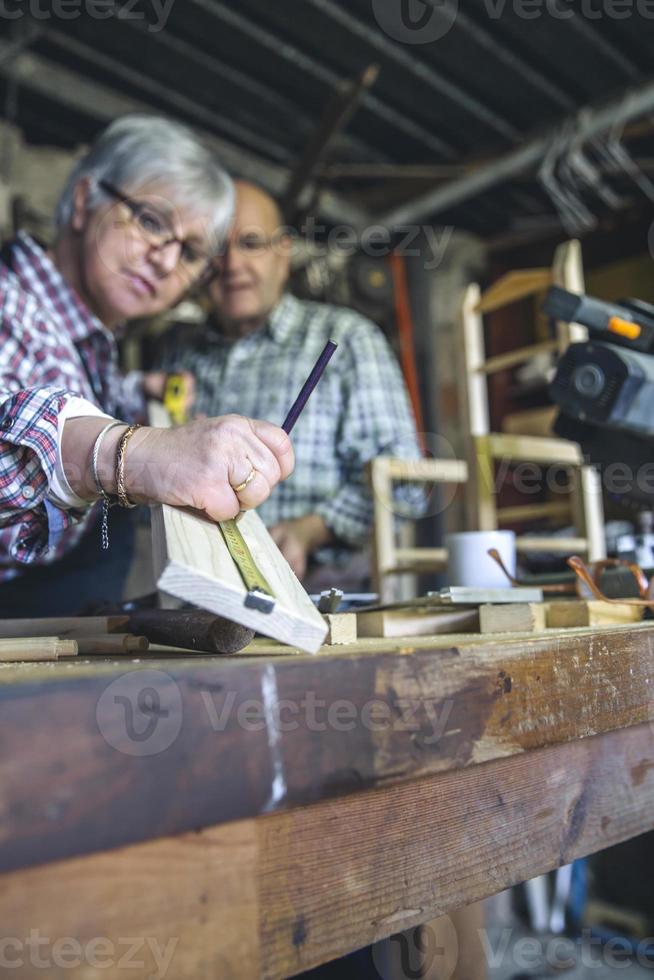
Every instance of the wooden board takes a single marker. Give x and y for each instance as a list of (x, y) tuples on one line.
[(522, 617), (417, 622), (272, 897), (342, 628), (192, 562), (573, 612), (445, 703)]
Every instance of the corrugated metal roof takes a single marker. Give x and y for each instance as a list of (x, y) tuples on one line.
[(257, 74)]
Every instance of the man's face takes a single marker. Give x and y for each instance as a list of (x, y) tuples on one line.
[(126, 273), (253, 269)]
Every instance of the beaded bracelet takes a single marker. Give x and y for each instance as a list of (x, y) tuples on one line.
[(121, 452), (104, 496)]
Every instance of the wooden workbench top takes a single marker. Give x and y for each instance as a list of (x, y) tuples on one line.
[(104, 753)]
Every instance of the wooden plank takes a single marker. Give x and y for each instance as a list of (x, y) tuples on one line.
[(341, 628), (520, 617), (192, 562), (94, 786), (64, 627), (417, 622), (561, 614), (413, 852), (272, 897)]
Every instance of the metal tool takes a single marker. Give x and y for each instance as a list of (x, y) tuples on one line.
[(260, 595), (472, 596)]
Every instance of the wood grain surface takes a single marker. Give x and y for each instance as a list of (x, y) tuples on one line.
[(270, 897), (81, 773), (193, 563)]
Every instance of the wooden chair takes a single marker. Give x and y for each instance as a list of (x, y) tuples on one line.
[(389, 557), (583, 507)]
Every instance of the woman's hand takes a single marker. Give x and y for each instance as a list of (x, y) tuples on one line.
[(196, 465)]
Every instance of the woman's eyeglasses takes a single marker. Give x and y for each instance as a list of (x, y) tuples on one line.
[(157, 231)]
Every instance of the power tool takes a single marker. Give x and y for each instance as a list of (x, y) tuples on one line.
[(605, 385)]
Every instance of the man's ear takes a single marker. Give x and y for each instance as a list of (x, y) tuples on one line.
[(81, 195), (285, 246)]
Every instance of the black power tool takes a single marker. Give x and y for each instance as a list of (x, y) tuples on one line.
[(605, 387)]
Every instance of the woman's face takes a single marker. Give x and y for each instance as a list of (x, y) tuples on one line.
[(127, 271)]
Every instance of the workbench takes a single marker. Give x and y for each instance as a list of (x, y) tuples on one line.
[(161, 799)]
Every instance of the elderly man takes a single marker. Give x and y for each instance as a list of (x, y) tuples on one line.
[(142, 216), (256, 352)]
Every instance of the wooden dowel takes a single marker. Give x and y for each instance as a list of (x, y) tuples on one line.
[(34, 648), (69, 627), (112, 643)]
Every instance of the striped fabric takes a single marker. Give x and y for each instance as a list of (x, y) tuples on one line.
[(359, 410), (51, 347)]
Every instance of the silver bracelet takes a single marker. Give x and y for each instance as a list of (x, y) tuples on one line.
[(104, 496)]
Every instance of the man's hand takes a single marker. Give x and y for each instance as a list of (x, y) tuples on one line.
[(196, 465), (299, 538)]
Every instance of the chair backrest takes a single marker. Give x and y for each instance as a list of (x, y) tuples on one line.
[(484, 448)]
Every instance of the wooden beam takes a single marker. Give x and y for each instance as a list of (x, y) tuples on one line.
[(482, 699), (273, 897)]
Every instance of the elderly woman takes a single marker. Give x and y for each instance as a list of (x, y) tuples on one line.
[(138, 223)]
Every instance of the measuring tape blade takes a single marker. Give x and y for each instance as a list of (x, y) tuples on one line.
[(260, 595)]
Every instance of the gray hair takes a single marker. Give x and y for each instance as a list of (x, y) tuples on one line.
[(139, 149)]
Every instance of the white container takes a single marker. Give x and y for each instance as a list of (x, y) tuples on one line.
[(469, 562)]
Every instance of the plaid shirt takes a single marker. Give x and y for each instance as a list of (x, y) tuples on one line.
[(359, 410), (51, 348)]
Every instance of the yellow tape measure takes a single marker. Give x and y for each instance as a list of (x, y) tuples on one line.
[(260, 595), (175, 399)]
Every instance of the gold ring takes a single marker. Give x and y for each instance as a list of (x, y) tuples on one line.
[(246, 483)]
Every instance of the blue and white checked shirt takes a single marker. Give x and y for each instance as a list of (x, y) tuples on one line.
[(359, 410)]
